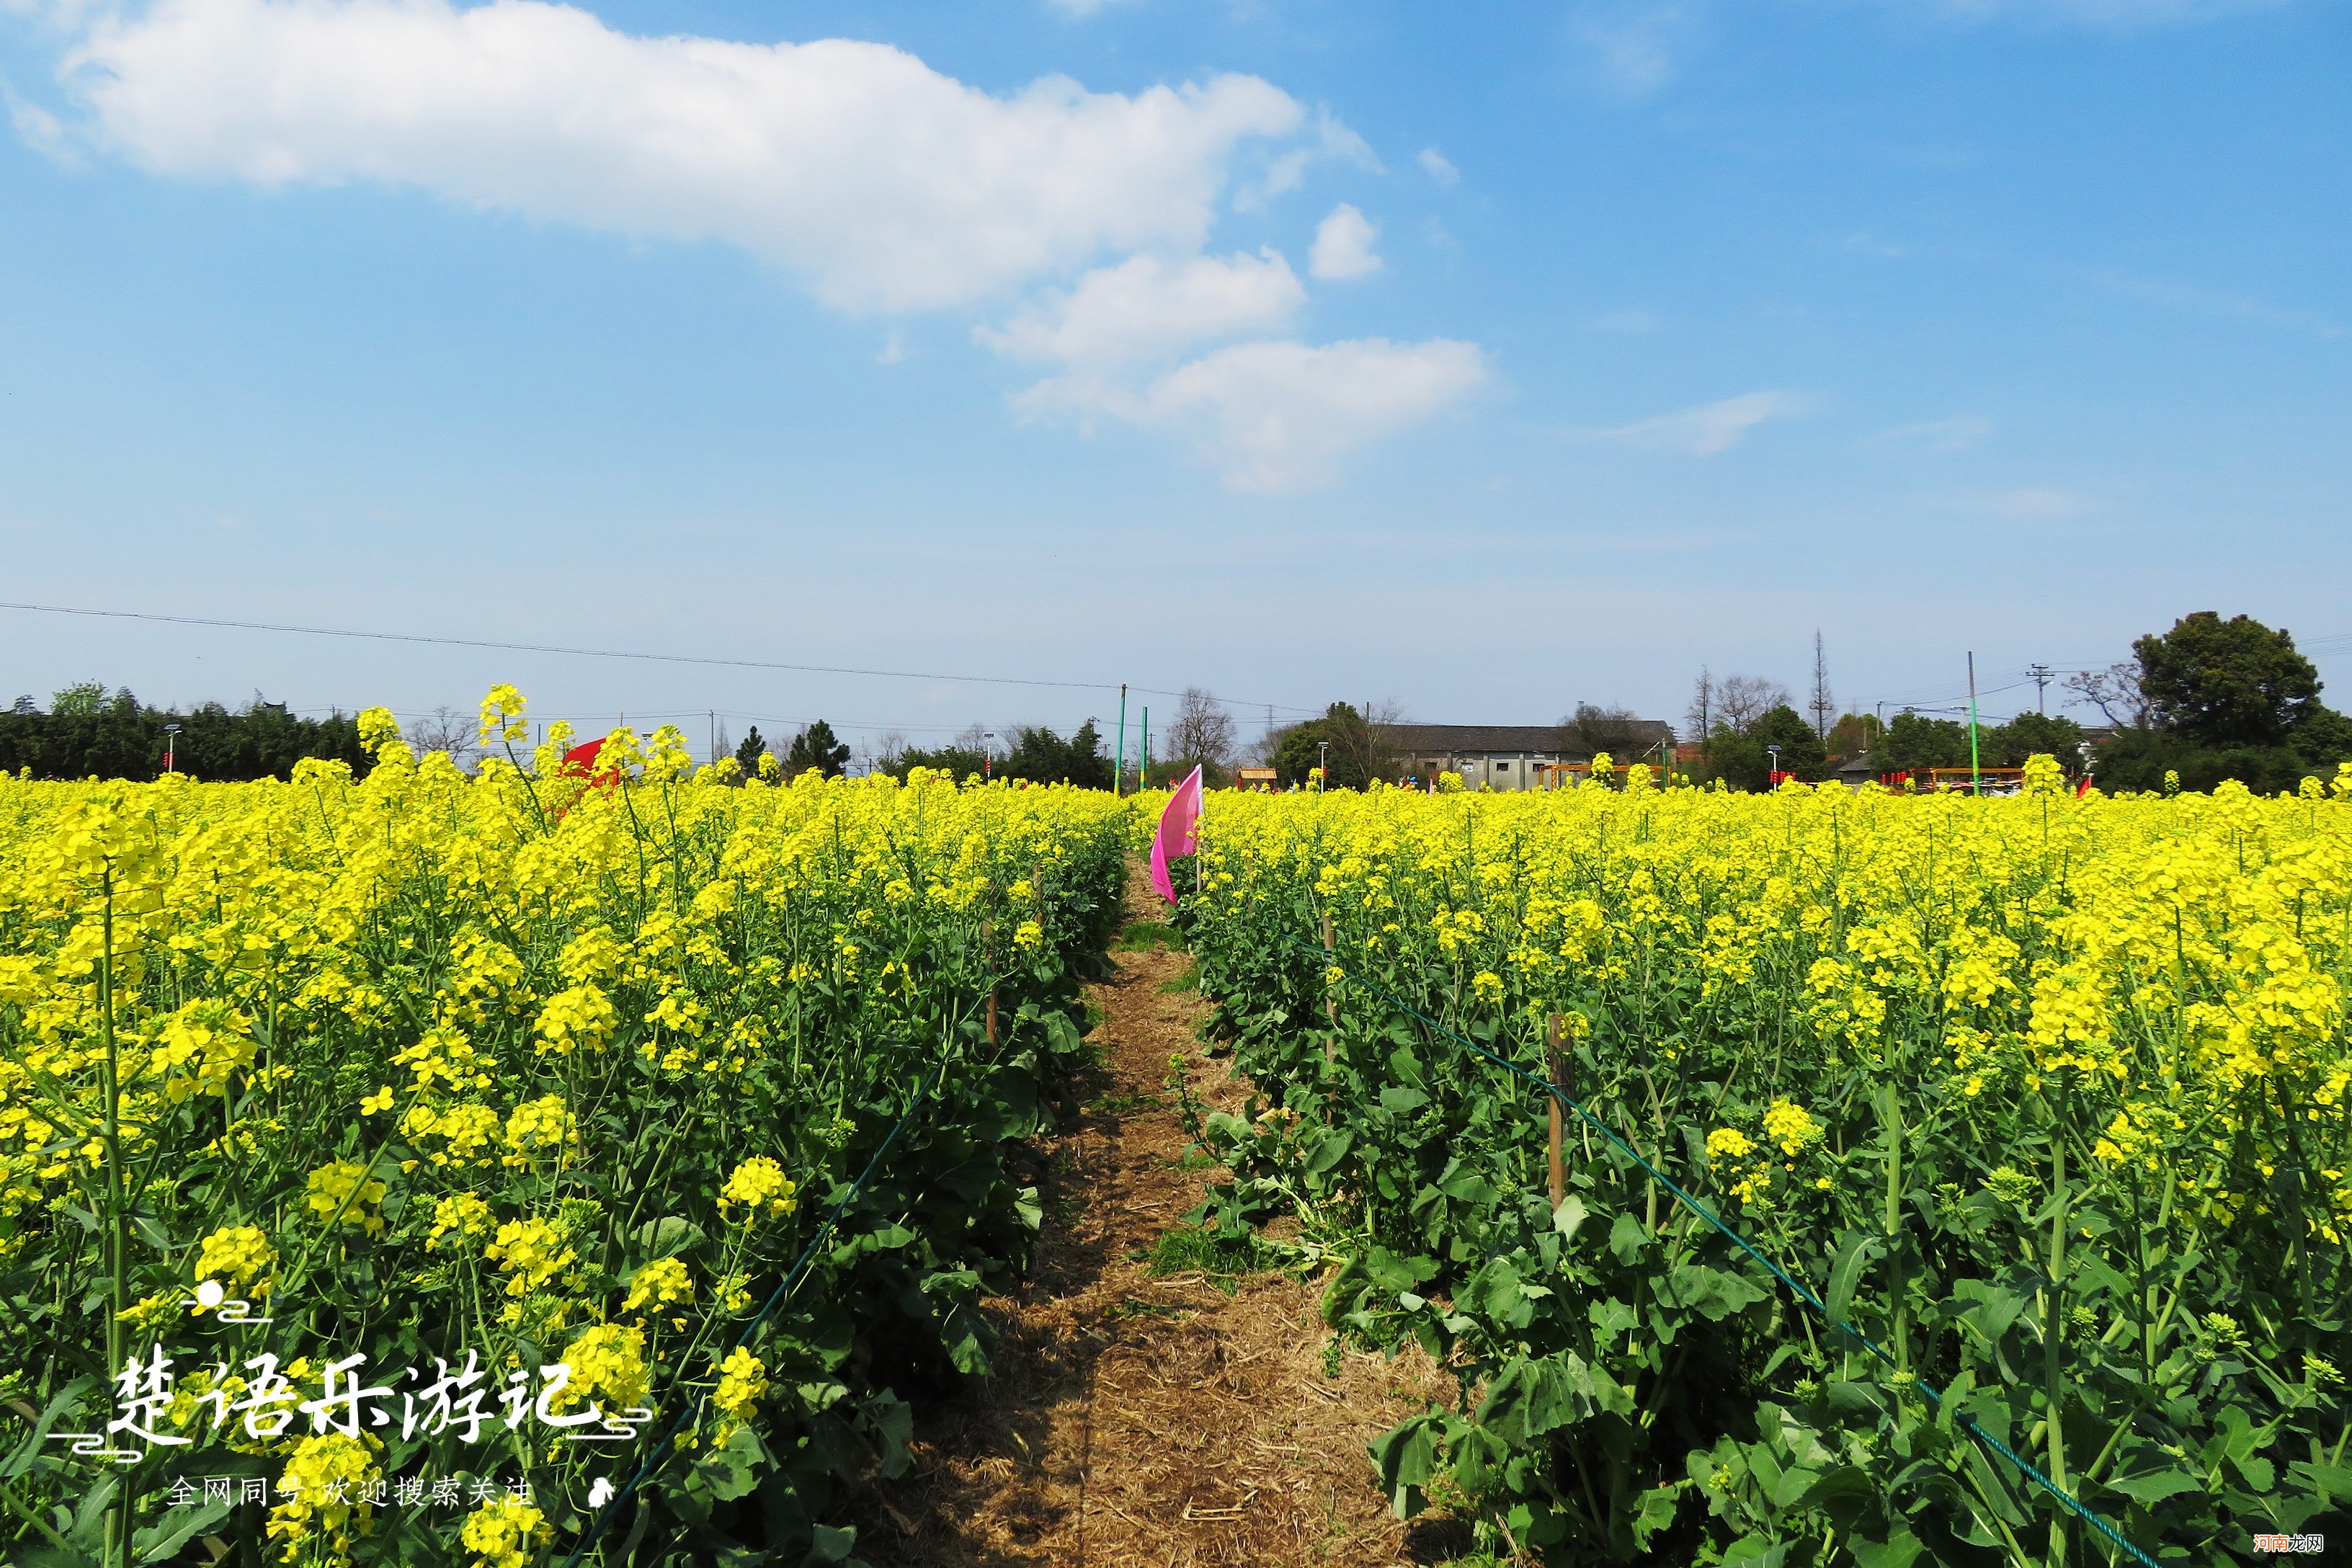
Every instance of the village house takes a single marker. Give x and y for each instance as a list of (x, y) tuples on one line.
[(1507, 756)]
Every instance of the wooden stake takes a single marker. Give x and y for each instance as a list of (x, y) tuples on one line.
[(1330, 1002), (1558, 1068), (988, 958), (1331, 948)]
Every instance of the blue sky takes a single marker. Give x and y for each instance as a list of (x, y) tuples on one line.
[(1486, 359)]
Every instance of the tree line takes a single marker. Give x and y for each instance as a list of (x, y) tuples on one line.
[(85, 732), (2206, 701)]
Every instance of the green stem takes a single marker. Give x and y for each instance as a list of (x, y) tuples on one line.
[(2053, 1324), (118, 1259), (17, 1505), (1891, 1118)]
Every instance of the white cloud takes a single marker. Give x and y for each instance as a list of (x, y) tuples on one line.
[(1287, 171), (1343, 246), (1957, 434), (38, 129), (1079, 10), (1710, 427), (1635, 45), (2094, 12), (1438, 167), (1275, 419), (2034, 505), (1148, 306), (884, 184)]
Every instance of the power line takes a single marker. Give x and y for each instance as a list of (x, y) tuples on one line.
[(601, 652)]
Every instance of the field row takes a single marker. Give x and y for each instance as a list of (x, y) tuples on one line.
[(389, 1166), (2044, 1098)]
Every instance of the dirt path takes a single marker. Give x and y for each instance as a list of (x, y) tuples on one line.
[(1153, 1419)]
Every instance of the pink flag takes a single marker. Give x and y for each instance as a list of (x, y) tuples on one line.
[(1177, 834)]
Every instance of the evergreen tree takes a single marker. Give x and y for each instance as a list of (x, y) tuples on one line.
[(816, 747), (747, 755)]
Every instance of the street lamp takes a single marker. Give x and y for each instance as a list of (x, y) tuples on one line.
[(987, 752), (1322, 764), (1773, 777), (171, 749)]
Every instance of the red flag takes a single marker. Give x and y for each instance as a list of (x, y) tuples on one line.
[(580, 762), (1178, 835)]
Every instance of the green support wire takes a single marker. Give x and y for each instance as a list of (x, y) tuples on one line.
[(1804, 1293), (781, 1293)]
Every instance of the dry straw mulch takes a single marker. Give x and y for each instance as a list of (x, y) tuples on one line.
[(1161, 1421)]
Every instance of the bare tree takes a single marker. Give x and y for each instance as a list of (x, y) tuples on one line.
[(880, 753), (1703, 708), (1367, 749), (1203, 731), (2115, 691), (446, 730), (1820, 704), (1615, 729), (1742, 700)]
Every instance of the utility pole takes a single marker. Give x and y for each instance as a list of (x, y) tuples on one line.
[(1143, 753), (1976, 773), (1119, 768), (714, 734), (2041, 675)]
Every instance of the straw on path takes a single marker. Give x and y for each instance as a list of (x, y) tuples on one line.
[(1152, 1420)]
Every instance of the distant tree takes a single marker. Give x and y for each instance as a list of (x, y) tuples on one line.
[(962, 757), (2139, 759), (2229, 683), (1802, 752), (85, 700), (1614, 730), (1366, 749), (446, 730), (816, 747), (1853, 735), (1354, 751), (882, 753), (1914, 741), (747, 755), (1742, 701), (2114, 691), (1203, 731), (956, 762), (2033, 734), (87, 734), (1821, 706), (1724, 713), (1167, 775), (1042, 757), (2214, 699), (1742, 761), (1701, 718)]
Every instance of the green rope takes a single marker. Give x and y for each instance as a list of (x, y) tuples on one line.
[(1804, 1293), (782, 1291)]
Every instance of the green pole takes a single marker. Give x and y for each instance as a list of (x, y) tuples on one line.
[(1143, 752), (1119, 768), (1976, 776)]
